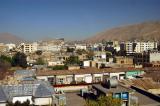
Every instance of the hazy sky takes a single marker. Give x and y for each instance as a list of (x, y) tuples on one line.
[(72, 19)]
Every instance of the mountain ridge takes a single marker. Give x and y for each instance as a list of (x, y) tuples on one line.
[(141, 31), (10, 38)]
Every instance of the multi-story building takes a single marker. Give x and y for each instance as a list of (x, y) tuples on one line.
[(141, 58), (80, 46), (29, 47), (53, 45), (138, 47), (144, 46)]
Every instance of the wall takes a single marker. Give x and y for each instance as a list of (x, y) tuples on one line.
[(71, 88), (43, 101), (3, 104), (22, 99), (116, 75), (154, 56)]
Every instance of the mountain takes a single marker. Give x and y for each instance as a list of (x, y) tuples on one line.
[(142, 31), (9, 38)]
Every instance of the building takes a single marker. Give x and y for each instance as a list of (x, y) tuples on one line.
[(29, 47), (80, 46), (124, 61), (3, 98), (154, 56), (3, 47), (144, 46), (111, 88), (51, 45), (10, 46), (138, 47), (141, 58), (87, 75), (26, 87)]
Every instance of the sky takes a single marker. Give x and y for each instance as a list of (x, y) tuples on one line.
[(72, 19)]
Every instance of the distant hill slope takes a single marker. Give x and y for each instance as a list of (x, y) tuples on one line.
[(9, 38), (142, 31)]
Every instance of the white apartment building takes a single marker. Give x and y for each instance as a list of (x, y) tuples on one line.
[(80, 46), (53, 45), (138, 47), (29, 47), (144, 46)]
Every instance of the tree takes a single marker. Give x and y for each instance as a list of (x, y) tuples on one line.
[(40, 61), (90, 54), (39, 52), (5, 62), (81, 51), (19, 59), (70, 49), (73, 60), (59, 67), (104, 101), (5, 58)]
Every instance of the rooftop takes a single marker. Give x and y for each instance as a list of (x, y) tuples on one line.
[(3, 97), (83, 71), (118, 89), (144, 83)]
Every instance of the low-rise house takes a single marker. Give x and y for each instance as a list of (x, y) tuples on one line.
[(124, 61), (26, 87), (87, 75), (113, 89)]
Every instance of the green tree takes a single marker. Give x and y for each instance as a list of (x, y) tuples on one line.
[(104, 101), (19, 59), (73, 60), (90, 54), (81, 51), (5, 58), (59, 67), (40, 61), (5, 62), (70, 49), (39, 52)]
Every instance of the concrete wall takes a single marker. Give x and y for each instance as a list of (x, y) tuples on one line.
[(3, 104), (71, 88), (42, 101), (22, 99), (154, 56)]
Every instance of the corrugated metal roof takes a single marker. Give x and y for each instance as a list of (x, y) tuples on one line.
[(25, 72), (42, 91), (3, 97)]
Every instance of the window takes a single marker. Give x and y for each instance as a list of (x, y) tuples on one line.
[(60, 81), (97, 79), (51, 80)]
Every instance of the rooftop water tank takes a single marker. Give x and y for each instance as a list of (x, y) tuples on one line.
[(111, 83)]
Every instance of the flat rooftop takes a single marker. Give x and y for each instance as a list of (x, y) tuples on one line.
[(142, 99), (105, 90), (145, 100), (84, 71)]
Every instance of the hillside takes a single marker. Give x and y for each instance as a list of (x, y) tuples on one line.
[(143, 31), (9, 38)]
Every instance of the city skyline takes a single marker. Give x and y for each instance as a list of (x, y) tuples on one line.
[(72, 19)]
